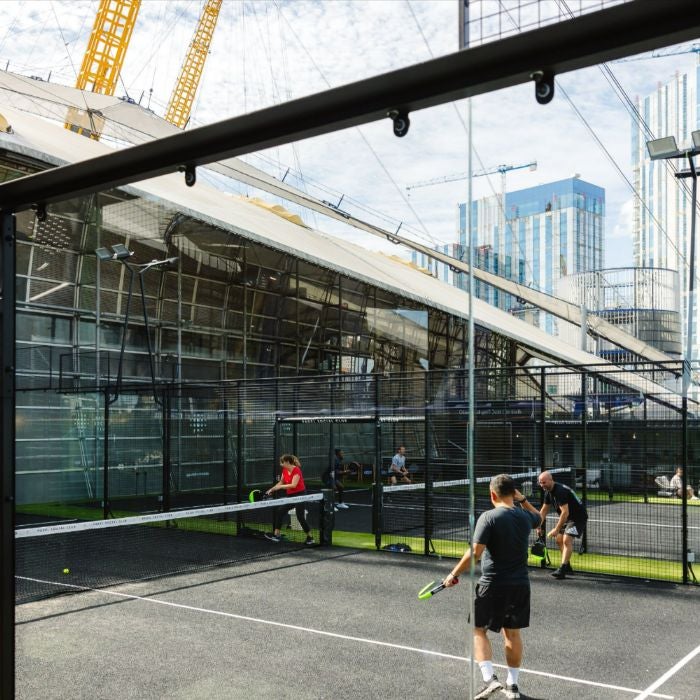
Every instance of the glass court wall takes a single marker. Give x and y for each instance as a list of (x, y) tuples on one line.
[(227, 308)]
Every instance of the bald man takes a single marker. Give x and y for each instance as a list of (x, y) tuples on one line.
[(571, 522)]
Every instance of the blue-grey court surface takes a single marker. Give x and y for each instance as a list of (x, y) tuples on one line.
[(342, 623)]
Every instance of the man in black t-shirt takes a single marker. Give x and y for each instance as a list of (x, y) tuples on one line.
[(502, 597), (572, 519)]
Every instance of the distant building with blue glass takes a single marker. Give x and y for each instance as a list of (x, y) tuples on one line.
[(541, 234), (662, 211)]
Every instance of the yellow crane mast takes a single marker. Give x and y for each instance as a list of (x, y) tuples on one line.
[(180, 105), (103, 60)]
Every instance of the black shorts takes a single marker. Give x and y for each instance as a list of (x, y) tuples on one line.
[(573, 528), (502, 606)]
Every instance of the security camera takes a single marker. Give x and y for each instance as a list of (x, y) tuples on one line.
[(190, 174), (40, 211), (401, 121), (544, 86)]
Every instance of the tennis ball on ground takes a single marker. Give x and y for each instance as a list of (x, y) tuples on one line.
[(66, 570)]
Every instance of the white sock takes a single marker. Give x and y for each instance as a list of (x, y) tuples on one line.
[(512, 678), (486, 669)]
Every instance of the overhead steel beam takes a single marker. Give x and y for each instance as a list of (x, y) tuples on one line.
[(584, 41)]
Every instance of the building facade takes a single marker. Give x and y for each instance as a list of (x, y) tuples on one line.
[(661, 226), (641, 301), (541, 234)]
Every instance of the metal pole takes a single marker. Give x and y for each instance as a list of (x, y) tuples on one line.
[(543, 412), (377, 512), (584, 451), (684, 495), (148, 337), (239, 446), (691, 280), (124, 331), (687, 366), (167, 430), (106, 509), (428, 495), (464, 43), (225, 458), (7, 465)]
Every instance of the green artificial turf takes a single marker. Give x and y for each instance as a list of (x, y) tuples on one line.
[(637, 567)]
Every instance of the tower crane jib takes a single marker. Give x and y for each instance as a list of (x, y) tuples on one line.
[(182, 98)]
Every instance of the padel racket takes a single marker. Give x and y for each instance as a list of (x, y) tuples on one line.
[(257, 495), (431, 589)]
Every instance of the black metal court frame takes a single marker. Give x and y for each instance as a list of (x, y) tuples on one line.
[(600, 36)]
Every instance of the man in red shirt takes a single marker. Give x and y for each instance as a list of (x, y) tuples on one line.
[(291, 481)]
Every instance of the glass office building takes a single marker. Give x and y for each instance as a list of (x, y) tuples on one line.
[(661, 227), (541, 234)]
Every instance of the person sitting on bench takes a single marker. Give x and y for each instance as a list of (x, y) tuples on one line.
[(677, 486)]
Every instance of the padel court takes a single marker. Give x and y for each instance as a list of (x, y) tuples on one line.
[(343, 623)]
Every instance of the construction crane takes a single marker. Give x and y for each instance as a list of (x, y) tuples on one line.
[(660, 53), (180, 104), (503, 169), (103, 60)]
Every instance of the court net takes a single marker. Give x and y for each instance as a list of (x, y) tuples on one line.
[(434, 517), (72, 557)]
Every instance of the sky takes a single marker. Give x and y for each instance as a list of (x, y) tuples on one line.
[(268, 51)]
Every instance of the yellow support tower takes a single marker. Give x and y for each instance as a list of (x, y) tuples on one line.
[(103, 60), (180, 105)]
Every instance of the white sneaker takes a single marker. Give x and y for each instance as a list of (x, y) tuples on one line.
[(512, 692), (344, 506), (488, 689)]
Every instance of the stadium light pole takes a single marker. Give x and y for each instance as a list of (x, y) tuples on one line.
[(666, 148), (120, 253)]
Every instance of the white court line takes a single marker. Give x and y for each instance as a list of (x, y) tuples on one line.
[(640, 524), (550, 517), (324, 633), (671, 671)]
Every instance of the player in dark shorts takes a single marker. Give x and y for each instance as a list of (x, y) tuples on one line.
[(331, 478), (572, 519), (502, 600)]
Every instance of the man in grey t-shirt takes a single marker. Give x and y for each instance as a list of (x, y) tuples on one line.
[(502, 600), (398, 470)]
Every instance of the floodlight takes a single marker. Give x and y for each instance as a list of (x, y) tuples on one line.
[(158, 263), (121, 252), (696, 138), (103, 254), (664, 148)]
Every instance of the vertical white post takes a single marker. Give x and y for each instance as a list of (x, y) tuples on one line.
[(464, 43)]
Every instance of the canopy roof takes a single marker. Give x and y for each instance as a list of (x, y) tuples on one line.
[(52, 144)]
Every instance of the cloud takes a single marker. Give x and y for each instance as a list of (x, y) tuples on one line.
[(624, 223), (265, 52)]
